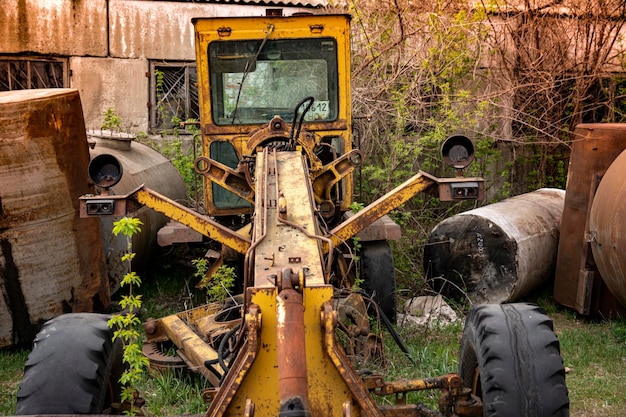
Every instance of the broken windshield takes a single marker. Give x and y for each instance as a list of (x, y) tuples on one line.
[(253, 81)]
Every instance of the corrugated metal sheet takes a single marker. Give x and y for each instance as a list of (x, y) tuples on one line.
[(298, 3)]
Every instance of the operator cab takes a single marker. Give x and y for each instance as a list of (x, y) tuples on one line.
[(267, 81)]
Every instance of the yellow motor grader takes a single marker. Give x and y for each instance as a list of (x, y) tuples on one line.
[(278, 163)]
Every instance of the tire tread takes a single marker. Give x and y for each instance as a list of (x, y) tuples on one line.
[(69, 368), (518, 355)]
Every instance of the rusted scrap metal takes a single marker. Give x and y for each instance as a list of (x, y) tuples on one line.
[(579, 283)]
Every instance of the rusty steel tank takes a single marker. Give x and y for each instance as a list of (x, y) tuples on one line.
[(499, 252), (590, 273), (51, 261), (141, 165), (607, 224)]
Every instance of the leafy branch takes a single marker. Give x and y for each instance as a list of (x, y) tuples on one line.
[(126, 324)]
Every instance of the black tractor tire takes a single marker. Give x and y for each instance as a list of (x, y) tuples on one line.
[(74, 367), (511, 359), (378, 274)]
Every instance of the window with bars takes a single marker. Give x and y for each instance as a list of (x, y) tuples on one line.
[(27, 73), (174, 94)]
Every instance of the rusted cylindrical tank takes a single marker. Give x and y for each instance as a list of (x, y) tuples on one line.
[(499, 252), (51, 261), (141, 165), (577, 283), (607, 228)]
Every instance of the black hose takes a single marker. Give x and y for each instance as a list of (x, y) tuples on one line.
[(223, 352), (396, 337), (296, 124)]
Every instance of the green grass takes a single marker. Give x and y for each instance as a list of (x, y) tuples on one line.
[(434, 351), (594, 353), (168, 395), (11, 370)]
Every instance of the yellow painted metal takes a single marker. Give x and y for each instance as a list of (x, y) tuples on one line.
[(199, 313), (284, 238), (196, 350), (325, 179), (209, 30), (395, 198), (285, 182), (287, 240), (332, 381), (192, 219), (225, 176), (222, 403)]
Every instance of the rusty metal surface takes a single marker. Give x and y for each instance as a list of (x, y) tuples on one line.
[(307, 3), (283, 245), (160, 359), (246, 139), (578, 284), (51, 261), (499, 252), (374, 211), (234, 181), (353, 319), (194, 220), (141, 165), (291, 346), (327, 179), (136, 200), (194, 350), (379, 386), (354, 383), (223, 397), (607, 223), (212, 322)]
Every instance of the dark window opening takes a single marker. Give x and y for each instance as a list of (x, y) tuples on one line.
[(29, 73), (174, 94)]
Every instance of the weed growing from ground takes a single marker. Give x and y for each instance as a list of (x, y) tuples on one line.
[(126, 324), (218, 287)]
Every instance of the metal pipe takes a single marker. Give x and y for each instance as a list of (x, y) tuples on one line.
[(291, 349)]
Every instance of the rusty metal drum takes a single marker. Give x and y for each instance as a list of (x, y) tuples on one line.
[(499, 252), (607, 228), (51, 261)]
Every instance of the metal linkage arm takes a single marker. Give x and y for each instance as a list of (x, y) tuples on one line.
[(120, 205), (393, 199), (449, 189), (203, 224)]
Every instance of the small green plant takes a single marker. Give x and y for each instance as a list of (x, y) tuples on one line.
[(111, 120), (182, 158), (356, 251), (217, 286), (192, 126), (202, 267), (355, 206), (126, 324)]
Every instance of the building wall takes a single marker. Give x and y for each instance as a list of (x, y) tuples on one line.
[(58, 27), (109, 44), (120, 84)]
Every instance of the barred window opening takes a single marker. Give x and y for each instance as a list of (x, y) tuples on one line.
[(174, 95), (18, 73)]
